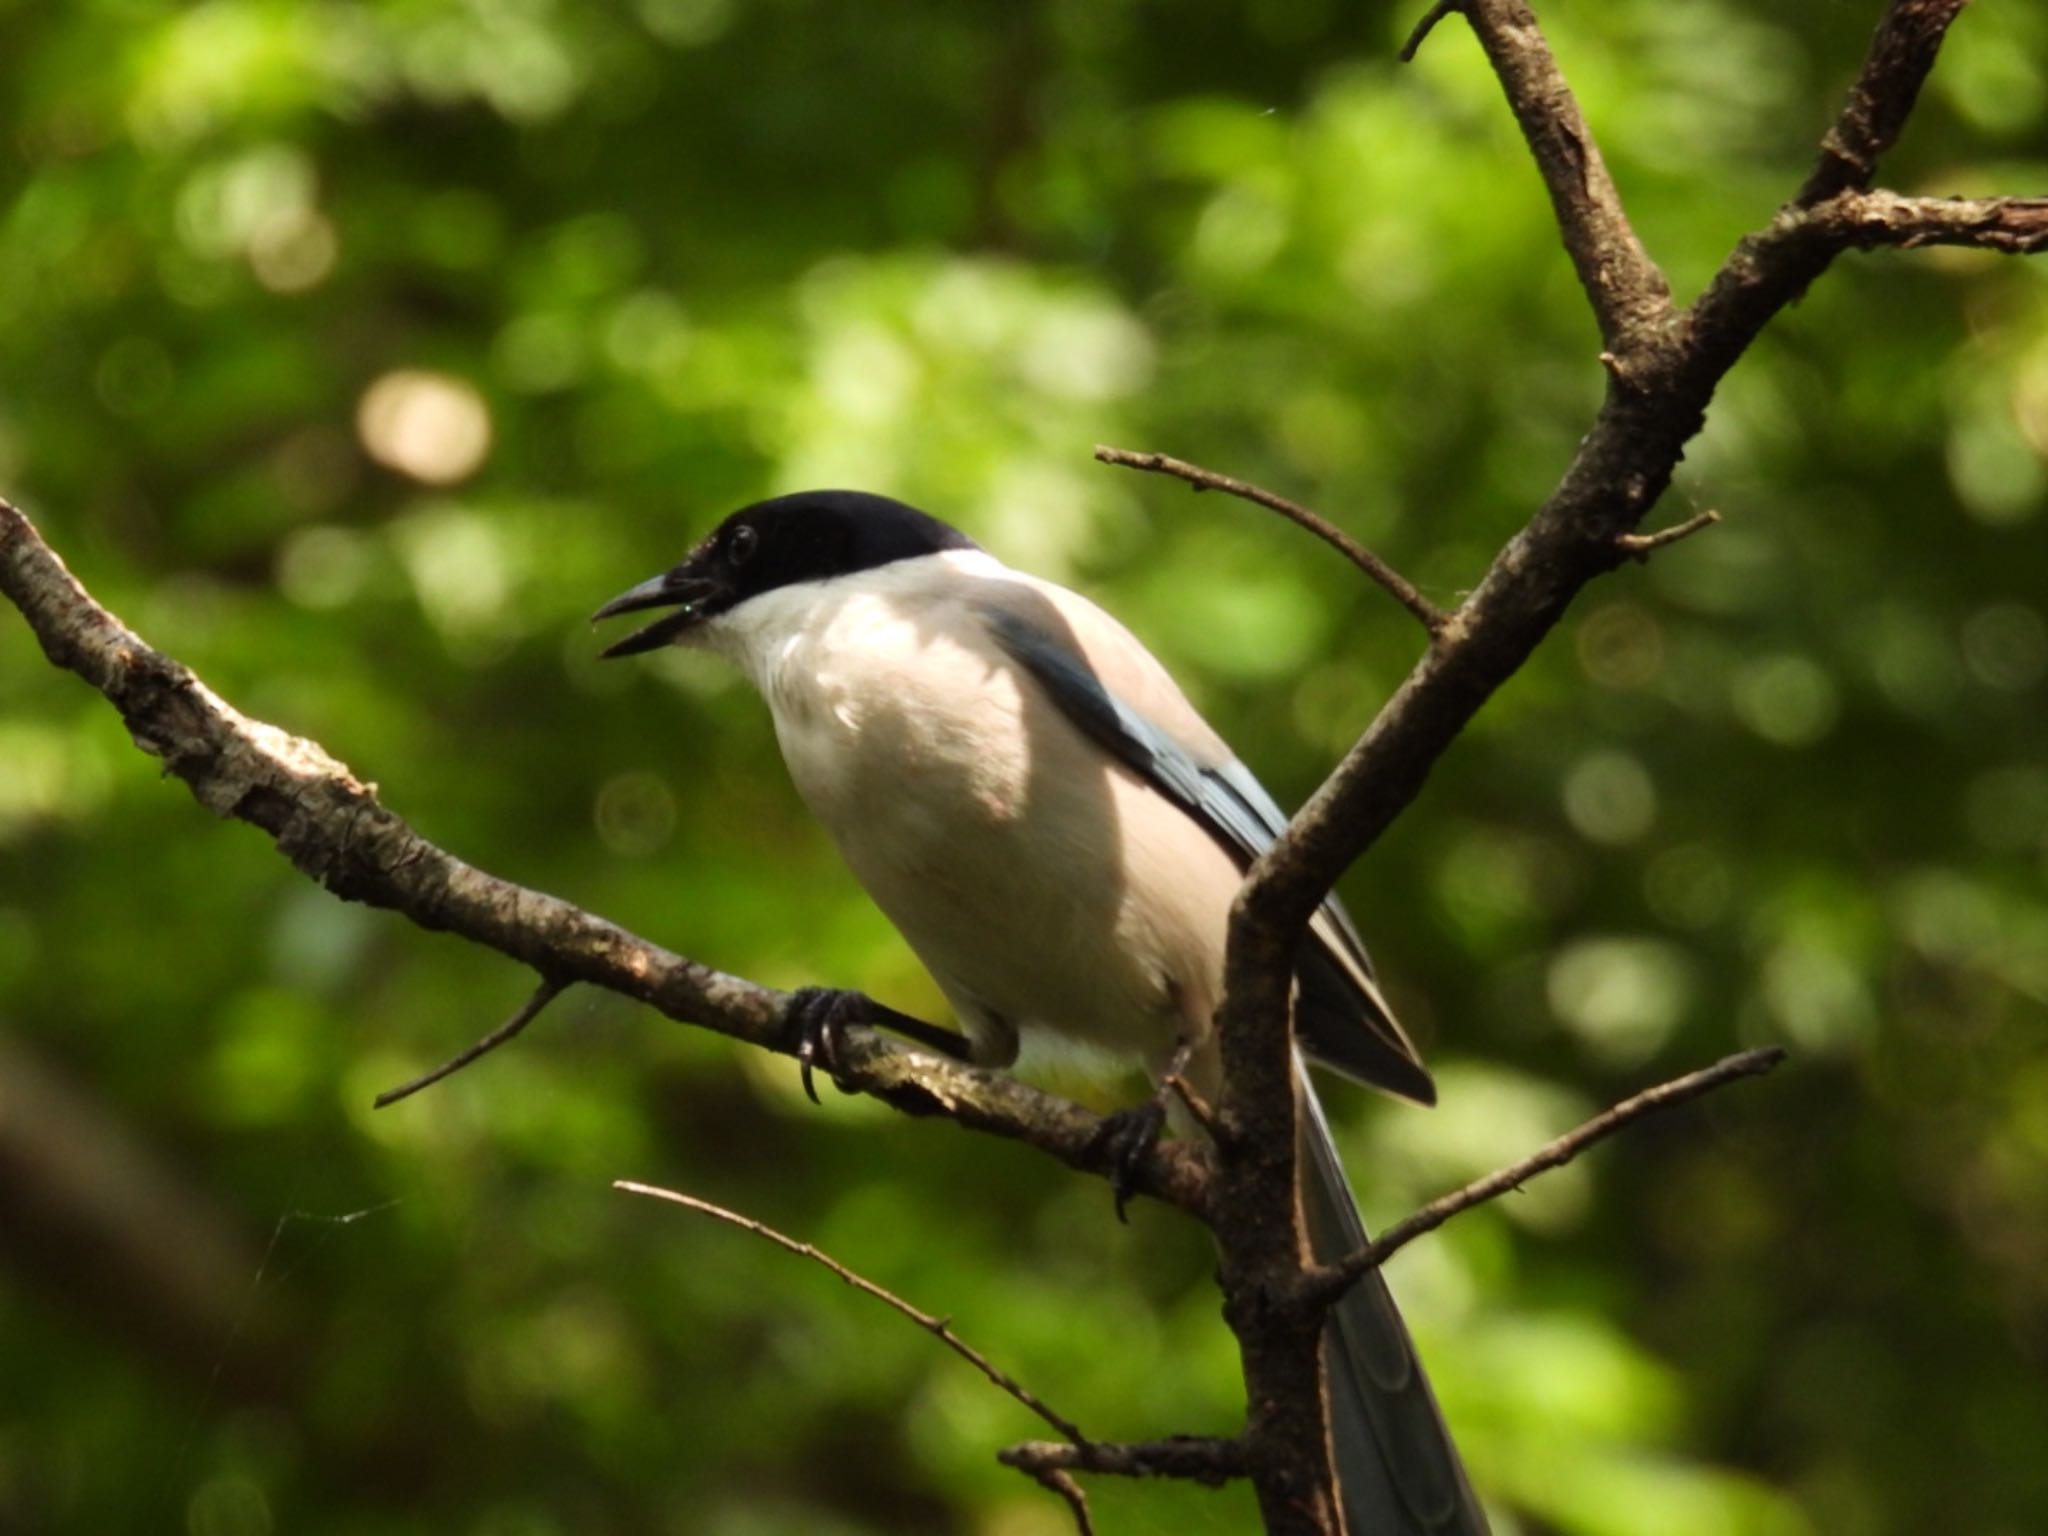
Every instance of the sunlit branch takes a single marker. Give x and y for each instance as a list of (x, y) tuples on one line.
[(1639, 546), (2013, 226)]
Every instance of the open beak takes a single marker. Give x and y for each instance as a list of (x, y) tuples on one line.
[(676, 589)]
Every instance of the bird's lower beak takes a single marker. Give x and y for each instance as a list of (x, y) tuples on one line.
[(685, 593)]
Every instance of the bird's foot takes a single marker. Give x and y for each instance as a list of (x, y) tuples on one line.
[(1128, 1136), (818, 1017), (1126, 1140), (816, 1023)]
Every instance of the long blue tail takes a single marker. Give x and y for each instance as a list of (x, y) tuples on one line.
[(1398, 1474)]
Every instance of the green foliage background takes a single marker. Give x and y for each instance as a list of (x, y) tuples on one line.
[(1788, 783)]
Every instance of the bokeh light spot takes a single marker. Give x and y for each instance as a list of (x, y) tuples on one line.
[(459, 567), (323, 568), (1621, 645), (1610, 797), (293, 249), (1997, 476), (1622, 996), (431, 426), (2005, 646), (1786, 699), (2007, 808), (1817, 993), (635, 814), (228, 1506), (686, 23), (1688, 886)]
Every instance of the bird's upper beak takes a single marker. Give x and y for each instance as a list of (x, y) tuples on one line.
[(683, 589)]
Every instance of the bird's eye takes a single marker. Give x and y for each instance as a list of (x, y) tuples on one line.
[(741, 543)]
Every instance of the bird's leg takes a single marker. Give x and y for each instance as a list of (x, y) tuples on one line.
[(817, 1020), (1128, 1136), (947, 1042)]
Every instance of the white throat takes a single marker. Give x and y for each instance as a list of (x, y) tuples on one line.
[(804, 637)]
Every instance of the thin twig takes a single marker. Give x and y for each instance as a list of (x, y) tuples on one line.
[(939, 1327), (1902, 51), (1637, 546), (1062, 1483), (1427, 25), (1199, 1109), (1630, 297), (1398, 586), (1192, 1458), (1321, 1288), (548, 990)]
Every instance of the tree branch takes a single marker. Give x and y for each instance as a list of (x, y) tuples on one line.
[(1209, 1461), (1621, 468), (1322, 1287), (940, 1328), (1639, 546), (1432, 18), (1431, 617), (1191, 1458), (1663, 371), (1055, 1480), (1629, 294), (1902, 51), (2013, 226), (1774, 266), (548, 990), (334, 829)]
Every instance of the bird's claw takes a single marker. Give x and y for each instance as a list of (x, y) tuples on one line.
[(1126, 1139), (816, 1021)]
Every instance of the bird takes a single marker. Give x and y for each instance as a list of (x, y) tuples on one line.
[(1034, 804)]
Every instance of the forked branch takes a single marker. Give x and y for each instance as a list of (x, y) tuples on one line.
[(1663, 370)]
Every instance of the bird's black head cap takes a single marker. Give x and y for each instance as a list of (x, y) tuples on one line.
[(810, 536)]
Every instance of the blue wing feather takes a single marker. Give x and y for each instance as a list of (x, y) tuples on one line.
[(1230, 805)]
